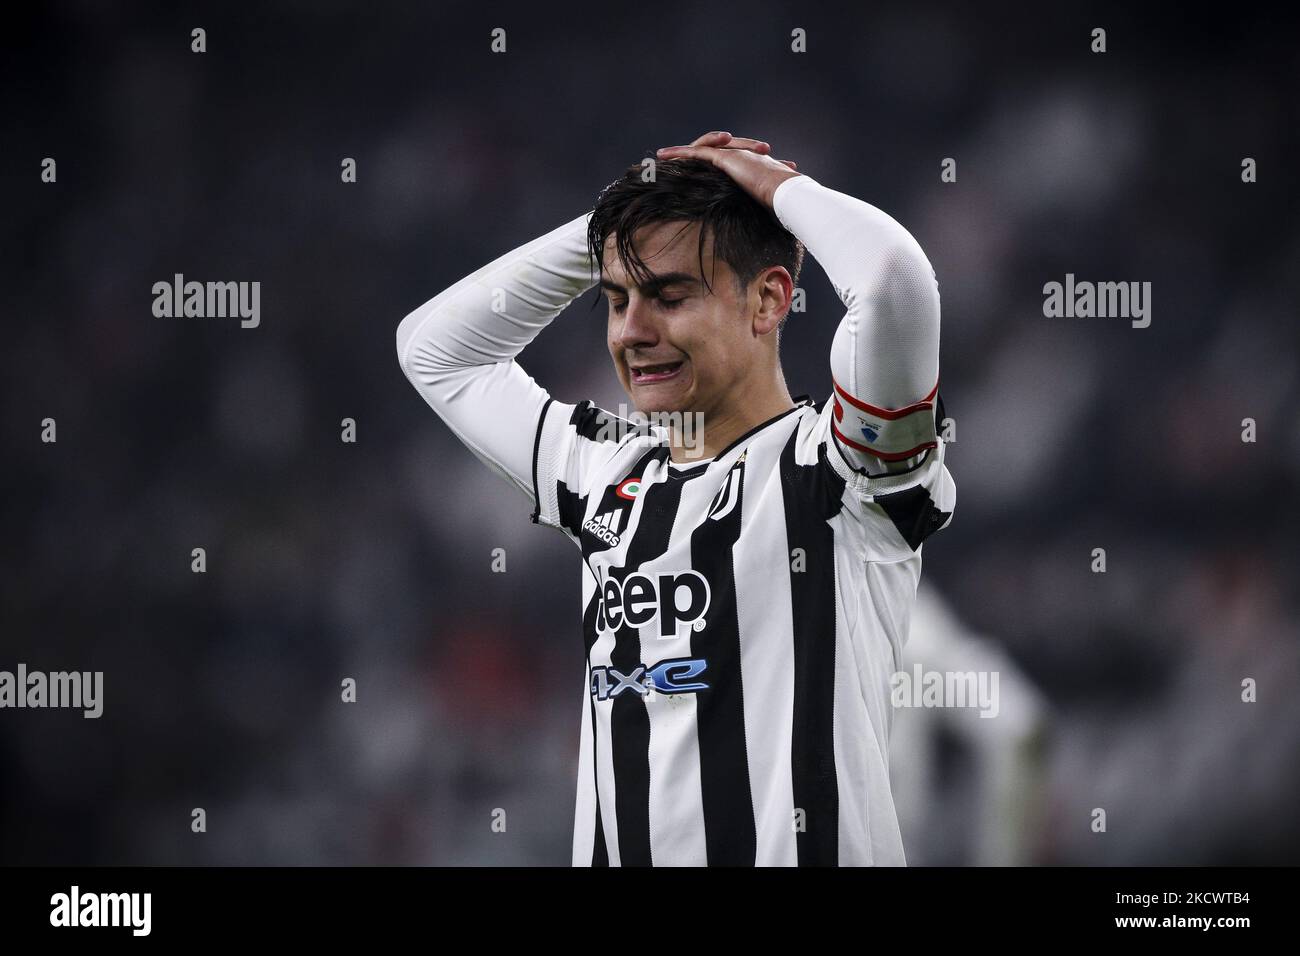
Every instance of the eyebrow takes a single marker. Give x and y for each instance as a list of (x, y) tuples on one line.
[(654, 285)]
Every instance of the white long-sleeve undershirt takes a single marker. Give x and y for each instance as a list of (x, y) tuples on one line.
[(886, 349), (459, 348)]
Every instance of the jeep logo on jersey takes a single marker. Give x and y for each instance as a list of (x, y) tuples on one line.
[(641, 599), (667, 677)]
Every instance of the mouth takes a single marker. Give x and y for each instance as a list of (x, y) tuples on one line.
[(653, 374)]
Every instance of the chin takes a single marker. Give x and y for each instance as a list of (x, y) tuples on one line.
[(675, 397), (648, 403)]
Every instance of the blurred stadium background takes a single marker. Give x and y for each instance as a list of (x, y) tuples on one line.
[(372, 560)]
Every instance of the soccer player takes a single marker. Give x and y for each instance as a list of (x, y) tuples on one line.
[(991, 809), (745, 606)]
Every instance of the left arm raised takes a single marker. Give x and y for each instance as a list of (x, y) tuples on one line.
[(885, 355)]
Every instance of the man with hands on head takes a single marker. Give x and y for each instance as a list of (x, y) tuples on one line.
[(743, 612)]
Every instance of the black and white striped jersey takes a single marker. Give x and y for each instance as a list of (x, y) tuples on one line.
[(741, 616), (741, 620)]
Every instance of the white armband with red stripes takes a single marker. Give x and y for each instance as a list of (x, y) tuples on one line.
[(889, 434)]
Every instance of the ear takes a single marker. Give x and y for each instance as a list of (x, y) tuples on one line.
[(775, 291)]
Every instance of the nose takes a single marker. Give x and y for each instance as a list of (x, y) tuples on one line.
[(638, 329)]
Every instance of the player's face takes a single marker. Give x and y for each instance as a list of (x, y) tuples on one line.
[(676, 345)]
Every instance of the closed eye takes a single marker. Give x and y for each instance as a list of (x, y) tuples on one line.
[(618, 307)]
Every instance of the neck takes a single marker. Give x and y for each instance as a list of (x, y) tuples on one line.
[(718, 429)]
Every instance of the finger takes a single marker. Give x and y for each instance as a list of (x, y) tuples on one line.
[(788, 162), (716, 138), (683, 152), (753, 145)]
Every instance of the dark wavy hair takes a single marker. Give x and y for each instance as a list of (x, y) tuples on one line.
[(746, 235)]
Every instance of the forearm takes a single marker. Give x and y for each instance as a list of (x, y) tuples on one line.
[(492, 314), (458, 349), (885, 355), (886, 349)]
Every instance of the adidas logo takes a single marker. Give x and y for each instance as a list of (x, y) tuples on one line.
[(606, 527)]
